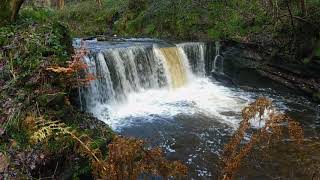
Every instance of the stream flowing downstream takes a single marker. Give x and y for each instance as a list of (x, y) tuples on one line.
[(165, 94)]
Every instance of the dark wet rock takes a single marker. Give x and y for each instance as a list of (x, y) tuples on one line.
[(75, 99), (223, 78), (228, 113), (104, 38), (297, 81), (249, 66)]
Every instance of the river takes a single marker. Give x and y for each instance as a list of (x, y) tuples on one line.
[(183, 97)]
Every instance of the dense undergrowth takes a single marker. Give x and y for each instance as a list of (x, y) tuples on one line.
[(28, 90)]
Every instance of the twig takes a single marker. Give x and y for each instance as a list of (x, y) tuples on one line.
[(11, 66), (299, 18), (55, 170), (38, 109)]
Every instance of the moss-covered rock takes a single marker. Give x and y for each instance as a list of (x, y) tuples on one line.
[(52, 100)]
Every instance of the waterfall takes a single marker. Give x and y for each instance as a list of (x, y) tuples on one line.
[(175, 66), (96, 92), (147, 80), (218, 60), (195, 52), (120, 71)]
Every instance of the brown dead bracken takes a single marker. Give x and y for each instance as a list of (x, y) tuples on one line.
[(271, 132)]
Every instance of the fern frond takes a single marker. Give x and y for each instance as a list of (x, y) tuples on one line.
[(46, 129), (127, 157)]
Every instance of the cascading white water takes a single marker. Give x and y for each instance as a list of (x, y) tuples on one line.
[(195, 53), (96, 91), (218, 60), (119, 72), (147, 80)]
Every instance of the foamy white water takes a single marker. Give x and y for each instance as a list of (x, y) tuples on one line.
[(200, 96)]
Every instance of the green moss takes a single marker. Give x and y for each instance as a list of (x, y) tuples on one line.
[(150, 29), (317, 50), (3, 147), (20, 136), (57, 99), (306, 60), (81, 170), (316, 96)]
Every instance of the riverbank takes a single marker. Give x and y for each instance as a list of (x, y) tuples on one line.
[(302, 78)]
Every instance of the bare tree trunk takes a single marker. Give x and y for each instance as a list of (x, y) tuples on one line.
[(99, 3), (303, 7), (9, 10), (294, 36), (16, 5), (60, 4)]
